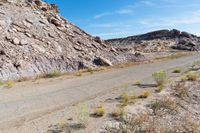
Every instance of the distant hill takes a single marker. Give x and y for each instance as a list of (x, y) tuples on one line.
[(168, 39)]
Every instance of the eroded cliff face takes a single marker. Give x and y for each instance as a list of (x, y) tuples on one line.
[(162, 40), (36, 40)]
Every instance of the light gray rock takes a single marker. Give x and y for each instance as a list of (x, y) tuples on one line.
[(16, 41), (23, 42)]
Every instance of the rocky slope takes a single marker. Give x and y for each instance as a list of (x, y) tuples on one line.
[(36, 40), (162, 40)]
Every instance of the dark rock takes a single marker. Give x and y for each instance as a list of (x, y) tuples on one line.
[(101, 61), (55, 22), (98, 40), (38, 2)]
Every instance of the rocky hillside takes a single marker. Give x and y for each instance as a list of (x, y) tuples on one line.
[(161, 40), (35, 40)]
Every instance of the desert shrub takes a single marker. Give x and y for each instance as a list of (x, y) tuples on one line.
[(118, 112), (1, 83), (10, 83), (177, 70), (53, 74), (192, 76), (83, 114), (145, 94), (62, 124), (163, 104), (22, 79), (99, 111), (133, 96), (196, 62), (79, 74), (90, 70), (130, 125), (183, 78), (180, 90), (125, 99), (102, 68), (138, 82), (160, 77), (160, 88)]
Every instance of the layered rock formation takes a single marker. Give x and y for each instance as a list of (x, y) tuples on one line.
[(162, 40), (36, 40)]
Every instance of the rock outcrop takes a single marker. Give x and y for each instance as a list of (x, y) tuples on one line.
[(161, 40), (36, 40)]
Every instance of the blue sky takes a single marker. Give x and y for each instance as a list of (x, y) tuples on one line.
[(121, 18)]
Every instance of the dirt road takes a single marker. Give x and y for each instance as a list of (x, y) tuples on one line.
[(29, 100)]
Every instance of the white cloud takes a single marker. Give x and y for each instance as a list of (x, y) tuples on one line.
[(193, 18), (124, 11), (148, 3), (111, 25), (109, 35), (102, 15)]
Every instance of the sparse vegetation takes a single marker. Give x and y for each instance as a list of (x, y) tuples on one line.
[(160, 88), (180, 90), (138, 83), (160, 77), (134, 124), (22, 79), (192, 76), (1, 83), (125, 99), (90, 70), (79, 74), (83, 114), (145, 94), (9, 83), (196, 63), (118, 112), (183, 78), (163, 104), (53, 74), (99, 111), (177, 70), (62, 125)]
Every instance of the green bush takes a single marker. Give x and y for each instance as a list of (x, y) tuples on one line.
[(160, 77)]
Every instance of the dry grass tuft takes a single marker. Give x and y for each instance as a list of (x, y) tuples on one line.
[(10, 83), (138, 83), (53, 74), (192, 76), (163, 104), (145, 94), (99, 111), (160, 88), (160, 77), (177, 70)]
